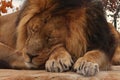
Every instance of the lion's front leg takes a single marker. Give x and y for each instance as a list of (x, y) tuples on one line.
[(59, 61), (89, 64)]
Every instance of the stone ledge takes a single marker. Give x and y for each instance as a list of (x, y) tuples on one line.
[(43, 75)]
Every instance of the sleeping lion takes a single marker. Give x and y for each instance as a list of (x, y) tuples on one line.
[(59, 35)]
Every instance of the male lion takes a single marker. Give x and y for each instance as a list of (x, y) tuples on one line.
[(61, 34)]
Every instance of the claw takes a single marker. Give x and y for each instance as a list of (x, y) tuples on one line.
[(86, 68), (59, 65)]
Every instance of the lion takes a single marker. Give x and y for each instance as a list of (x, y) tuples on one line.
[(59, 35)]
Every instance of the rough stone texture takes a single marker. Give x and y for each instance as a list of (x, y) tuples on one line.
[(43, 75)]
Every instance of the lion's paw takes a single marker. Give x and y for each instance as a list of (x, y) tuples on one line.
[(59, 64), (86, 68)]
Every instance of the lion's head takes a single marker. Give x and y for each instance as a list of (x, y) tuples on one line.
[(43, 37), (41, 32)]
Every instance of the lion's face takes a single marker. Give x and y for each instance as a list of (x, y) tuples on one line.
[(43, 37)]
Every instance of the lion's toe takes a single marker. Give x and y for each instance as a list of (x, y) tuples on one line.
[(59, 65), (86, 68)]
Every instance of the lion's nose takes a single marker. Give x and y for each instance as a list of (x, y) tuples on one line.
[(31, 56)]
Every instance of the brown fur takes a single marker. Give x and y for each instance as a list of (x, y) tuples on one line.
[(59, 33), (8, 56)]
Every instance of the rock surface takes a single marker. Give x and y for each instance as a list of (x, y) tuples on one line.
[(8, 74)]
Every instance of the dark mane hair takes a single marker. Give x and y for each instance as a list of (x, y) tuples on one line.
[(71, 4)]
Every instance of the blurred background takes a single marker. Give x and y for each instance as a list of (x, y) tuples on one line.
[(112, 8)]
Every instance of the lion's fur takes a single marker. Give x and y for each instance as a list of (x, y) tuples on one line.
[(80, 36), (7, 29), (8, 56), (84, 22), (50, 8), (78, 27)]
